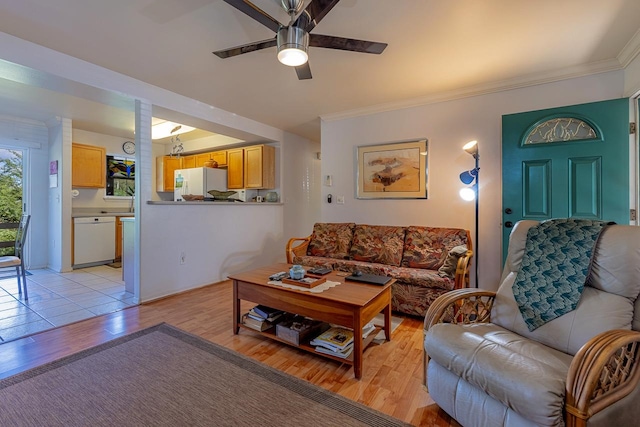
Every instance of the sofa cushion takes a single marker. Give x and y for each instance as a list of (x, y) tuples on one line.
[(331, 240), (510, 368), (427, 247), (377, 243), (448, 269), (410, 276)]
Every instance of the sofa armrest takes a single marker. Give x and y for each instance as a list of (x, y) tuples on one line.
[(298, 250), (604, 370), (463, 268)]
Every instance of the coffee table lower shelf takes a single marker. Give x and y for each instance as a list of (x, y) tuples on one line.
[(270, 333)]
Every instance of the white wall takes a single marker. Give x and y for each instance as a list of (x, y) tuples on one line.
[(300, 183), (448, 126), (217, 240)]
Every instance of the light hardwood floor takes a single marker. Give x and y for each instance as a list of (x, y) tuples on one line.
[(392, 372)]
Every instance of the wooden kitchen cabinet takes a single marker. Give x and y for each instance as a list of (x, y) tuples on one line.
[(118, 255), (88, 166), (189, 162), (251, 167), (235, 168), (260, 167), (165, 166), (218, 156)]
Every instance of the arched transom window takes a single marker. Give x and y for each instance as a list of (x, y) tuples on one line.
[(561, 129)]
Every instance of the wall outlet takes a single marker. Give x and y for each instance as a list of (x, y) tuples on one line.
[(183, 258), (340, 200)]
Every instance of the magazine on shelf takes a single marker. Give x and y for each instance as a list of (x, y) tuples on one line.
[(335, 338), (342, 354), (367, 329)]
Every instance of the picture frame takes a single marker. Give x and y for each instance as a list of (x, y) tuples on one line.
[(396, 170)]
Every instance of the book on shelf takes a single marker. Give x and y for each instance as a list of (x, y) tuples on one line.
[(341, 354), (258, 325), (335, 338), (271, 318), (266, 312)]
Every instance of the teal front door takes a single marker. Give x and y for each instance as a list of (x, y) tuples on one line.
[(570, 162)]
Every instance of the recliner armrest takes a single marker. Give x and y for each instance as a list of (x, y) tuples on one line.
[(299, 250), (460, 306), (603, 371)]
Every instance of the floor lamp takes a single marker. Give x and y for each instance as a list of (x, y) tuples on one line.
[(471, 193)]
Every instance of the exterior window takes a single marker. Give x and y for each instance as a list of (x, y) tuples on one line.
[(561, 129)]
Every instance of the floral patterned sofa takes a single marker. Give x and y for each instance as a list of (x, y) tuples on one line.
[(425, 261)]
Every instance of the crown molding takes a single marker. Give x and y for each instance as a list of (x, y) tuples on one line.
[(630, 50), (483, 89)]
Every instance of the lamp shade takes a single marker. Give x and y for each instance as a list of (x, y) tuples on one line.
[(467, 177), (471, 147)]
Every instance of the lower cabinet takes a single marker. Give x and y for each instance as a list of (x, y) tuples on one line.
[(118, 256)]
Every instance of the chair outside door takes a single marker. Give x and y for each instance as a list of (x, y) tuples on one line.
[(17, 260)]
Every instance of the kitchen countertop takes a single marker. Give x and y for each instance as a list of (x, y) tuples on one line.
[(99, 213)]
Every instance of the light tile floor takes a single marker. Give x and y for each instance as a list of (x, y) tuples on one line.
[(56, 299)]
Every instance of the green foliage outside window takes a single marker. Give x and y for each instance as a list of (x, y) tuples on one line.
[(10, 194)]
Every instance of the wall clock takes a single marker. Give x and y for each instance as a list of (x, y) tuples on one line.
[(129, 147)]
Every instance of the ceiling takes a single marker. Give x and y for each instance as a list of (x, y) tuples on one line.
[(435, 47)]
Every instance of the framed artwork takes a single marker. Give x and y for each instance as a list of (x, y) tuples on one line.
[(393, 171)]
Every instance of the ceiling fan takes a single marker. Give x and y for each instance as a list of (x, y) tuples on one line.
[(293, 40)]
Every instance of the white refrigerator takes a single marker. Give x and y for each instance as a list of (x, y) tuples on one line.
[(198, 182)]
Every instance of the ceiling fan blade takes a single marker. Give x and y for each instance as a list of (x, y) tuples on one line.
[(246, 48), (313, 13), (256, 13), (303, 71), (342, 43)]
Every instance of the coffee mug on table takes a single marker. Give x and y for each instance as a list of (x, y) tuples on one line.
[(260, 199)]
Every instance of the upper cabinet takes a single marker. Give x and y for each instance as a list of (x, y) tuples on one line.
[(251, 167), (248, 167), (188, 162), (88, 166), (165, 166), (219, 157), (235, 168)]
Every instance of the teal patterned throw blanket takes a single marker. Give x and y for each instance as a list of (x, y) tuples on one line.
[(555, 266)]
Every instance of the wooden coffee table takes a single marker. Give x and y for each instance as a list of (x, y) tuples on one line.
[(348, 304)]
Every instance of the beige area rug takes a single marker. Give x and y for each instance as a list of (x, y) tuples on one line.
[(162, 376)]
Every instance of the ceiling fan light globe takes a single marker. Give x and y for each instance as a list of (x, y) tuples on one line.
[(293, 57)]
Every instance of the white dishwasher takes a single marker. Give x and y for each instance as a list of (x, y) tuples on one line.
[(94, 240)]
